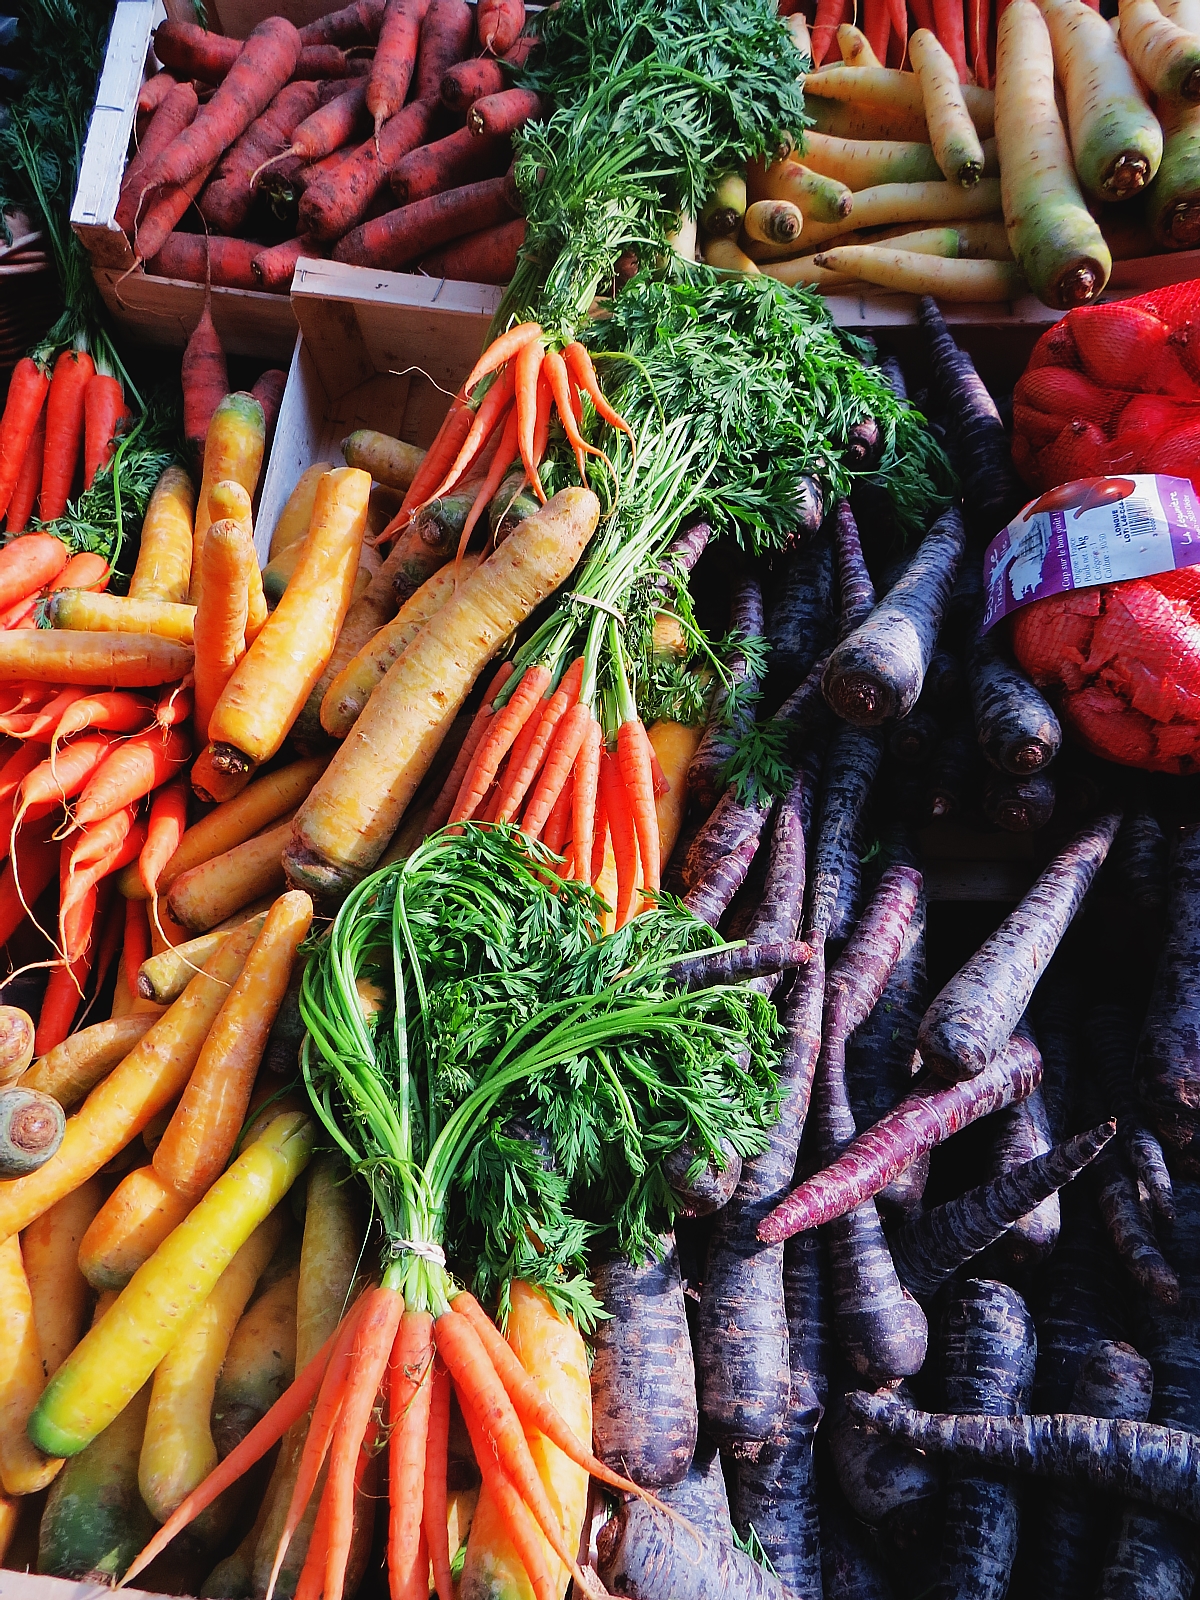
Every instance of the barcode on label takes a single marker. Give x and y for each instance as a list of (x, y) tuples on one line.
[(1140, 517)]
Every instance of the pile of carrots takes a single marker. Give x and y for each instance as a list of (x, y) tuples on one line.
[(379, 133)]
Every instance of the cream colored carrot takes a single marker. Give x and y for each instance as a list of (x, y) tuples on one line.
[(73, 1068), (889, 88), (914, 273), (208, 894), (956, 146)]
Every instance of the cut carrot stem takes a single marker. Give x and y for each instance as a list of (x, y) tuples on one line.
[(623, 834), (500, 736), (437, 1452), (560, 758), (440, 814), (583, 804), (524, 770), (501, 350), (637, 774), (410, 1390)]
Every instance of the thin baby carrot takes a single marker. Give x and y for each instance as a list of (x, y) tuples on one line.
[(131, 770), (528, 366), (557, 831), (39, 726), (623, 834), (560, 758), (503, 730), (579, 365), (583, 803), (440, 813), (490, 410), (526, 767), (175, 704), (637, 775), (55, 780), (506, 453), (500, 350), (520, 1525), (437, 1451), (554, 369), (103, 848), (136, 944), (31, 869), (168, 822), (410, 1389), (115, 709)]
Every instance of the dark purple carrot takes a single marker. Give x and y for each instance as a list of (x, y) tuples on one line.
[(978, 1009), (1014, 723), (701, 1183), (992, 492), (1056, 1010), (932, 1247), (646, 1553), (1114, 1381), (1166, 1071), (808, 511), (736, 963), (1080, 1298), (1139, 862), (701, 1496), (709, 898), (887, 1488), (876, 672), (643, 1377), (892, 374), (1020, 1133), (850, 769), (924, 1119), (944, 681), (951, 773), (730, 824), (1132, 1235), (856, 591), (850, 1569), (1019, 805), (864, 445), (1112, 1033), (681, 556), (705, 774), (781, 904), (988, 1350), (914, 740), (800, 623)]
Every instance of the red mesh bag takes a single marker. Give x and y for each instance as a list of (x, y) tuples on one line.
[(1113, 388)]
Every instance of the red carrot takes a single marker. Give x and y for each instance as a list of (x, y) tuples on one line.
[(395, 58), (65, 988), (116, 710), (136, 943), (177, 112), (229, 195), (131, 771), (330, 127), (28, 564), (949, 27), (268, 391), (499, 23), (29, 479), (64, 430), (977, 41), (320, 63), (273, 269), (497, 115), (333, 204), (29, 871), (200, 257), (400, 236), (106, 847), (447, 163), (205, 381), (168, 820), (153, 92), (489, 256), (168, 207), (189, 51), (358, 23), (470, 81), (829, 17), (446, 38), (37, 727), (26, 395), (104, 410), (264, 64)]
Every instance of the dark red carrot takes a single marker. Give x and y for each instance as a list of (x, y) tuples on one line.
[(977, 1010), (651, 1552), (829, 14), (341, 197), (445, 164), (1014, 723), (165, 208), (358, 23), (395, 58), (499, 23), (199, 257), (228, 196), (876, 673), (268, 391), (850, 770), (176, 112), (1166, 1069), (400, 236), (992, 492), (264, 64), (922, 1120), (446, 37), (189, 51), (1112, 1035), (153, 92), (205, 382), (322, 62), (489, 256), (469, 81), (706, 771), (854, 581), (497, 115), (643, 1380), (331, 126), (949, 26), (274, 269), (27, 390), (64, 430)]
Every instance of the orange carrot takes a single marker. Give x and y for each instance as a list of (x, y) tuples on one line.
[(410, 1388), (440, 813), (104, 410), (221, 614), (637, 776), (26, 396), (60, 776), (506, 454), (519, 1523), (117, 710), (560, 758), (395, 58), (500, 350), (37, 727), (580, 368), (555, 369), (103, 848), (132, 770), (557, 831), (829, 15), (499, 22), (174, 705), (168, 822), (583, 805), (87, 570), (528, 365), (29, 478), (64, 430), (31, 870), (29, 564), (487, 417), (623, 835), (267, 1432), (525, 769), (504, 729), (65, 988), (205, 381), (14, 771), (456, 424), (433, 1516)]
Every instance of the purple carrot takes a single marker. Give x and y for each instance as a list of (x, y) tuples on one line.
[(646, 1553), (850, 1565), (1021, 1133), (876, 672), (728, 826), (1081, 1298), (800, 622), (1019, 805), (850, 769), (736, 963), (1166, 1072), (860, 974), (943, 680), (1112, 1033), (1132, 1236), (924, 1119), (700, 1182), (705, 781), (914, 740), (893, 1490), (854, 581), (1014, 723), (681, 556), (951, 773), (782, 904), (1139, 862), (890, 371), (709, 897), (931, 1248), (978, 1009)]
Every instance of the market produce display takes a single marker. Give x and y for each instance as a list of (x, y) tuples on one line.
[(487, 1108)]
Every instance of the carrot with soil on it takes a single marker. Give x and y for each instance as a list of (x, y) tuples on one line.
[(495, 116), (445, 164), (190, 51), (395, 59), (499, 23), (332, 206), (720, 735), (229, 195), (446, 37), (176, 111), (856, 589), (1015, 725), (205, 383), (469, 81), (402, 235)]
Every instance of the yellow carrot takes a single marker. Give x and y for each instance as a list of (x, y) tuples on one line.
[(354, 685), (81, 610), (390, 461), (50, 1251), (178, 1451), (24, 1469), (259, 1363), (722, 212), (73, 1068), (150, 1077), (233, 450), (912, 273), (205, 1124), (213, 785), (270, 685), (727, 256), (343, 827), (135, 1219), (164, 977), (890, 89), (675, 743), (297, 513), (208, 894), (164, 563), (228, 501), (113, 1360), (108, 660), (956, 146)]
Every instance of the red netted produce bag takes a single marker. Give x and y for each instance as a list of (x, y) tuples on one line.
[(1113, 388)]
